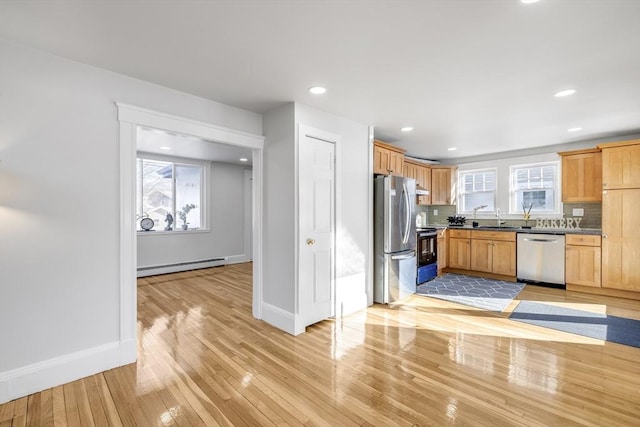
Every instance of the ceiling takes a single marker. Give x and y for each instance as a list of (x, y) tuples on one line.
[(477, 75)]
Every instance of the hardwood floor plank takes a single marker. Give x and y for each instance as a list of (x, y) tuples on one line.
[(203, 360)]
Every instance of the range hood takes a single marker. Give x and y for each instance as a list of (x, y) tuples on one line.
[(421, 191)]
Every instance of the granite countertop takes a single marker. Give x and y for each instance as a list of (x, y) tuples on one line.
[(594, 231)]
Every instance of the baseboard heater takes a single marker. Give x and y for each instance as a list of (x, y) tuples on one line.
[(180, 266)]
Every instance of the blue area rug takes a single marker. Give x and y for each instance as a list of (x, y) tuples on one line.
[(487, 294), (600, 326)]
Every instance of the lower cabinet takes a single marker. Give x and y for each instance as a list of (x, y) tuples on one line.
[(459, 249), (583, 260), (493, 252)]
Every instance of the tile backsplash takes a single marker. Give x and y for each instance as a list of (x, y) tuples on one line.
[(592, 214)]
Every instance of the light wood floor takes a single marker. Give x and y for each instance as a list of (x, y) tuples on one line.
[(203, 360)]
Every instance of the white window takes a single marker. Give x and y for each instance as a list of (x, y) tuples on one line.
[(535, 187), (171, 194), (477, 191)]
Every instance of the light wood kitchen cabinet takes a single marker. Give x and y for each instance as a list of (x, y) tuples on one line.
[(442, 252), (441, 185), (422, 175), (582, 175), (621, 239), (621, 165), (583, 260), (459, 249), (493, 252), (387, 159)]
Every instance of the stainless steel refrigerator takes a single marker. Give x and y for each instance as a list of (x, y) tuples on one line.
[(394, 238)]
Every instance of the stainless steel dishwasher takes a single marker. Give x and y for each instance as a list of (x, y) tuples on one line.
[(540, 259)]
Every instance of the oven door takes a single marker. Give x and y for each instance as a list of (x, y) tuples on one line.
[(427, 248)]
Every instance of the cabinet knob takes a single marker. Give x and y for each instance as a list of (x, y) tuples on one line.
[(604, 236), (311, 242)]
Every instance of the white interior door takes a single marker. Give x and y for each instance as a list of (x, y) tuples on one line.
[(317, 226)]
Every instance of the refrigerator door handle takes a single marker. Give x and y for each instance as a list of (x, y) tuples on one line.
[(403, 256), (407, 225)]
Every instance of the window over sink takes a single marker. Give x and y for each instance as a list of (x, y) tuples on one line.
[(535, 187), (477, 191)]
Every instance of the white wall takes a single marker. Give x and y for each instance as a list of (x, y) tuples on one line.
[(225, 237), (352, 217), (59, 211)]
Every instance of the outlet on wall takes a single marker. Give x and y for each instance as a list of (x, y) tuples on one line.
[(435, 212), (578, 212)]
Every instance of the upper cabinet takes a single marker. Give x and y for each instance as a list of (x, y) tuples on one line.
[(422, 174), (582, 175), (387, 159), (441, 185), (620, 165)]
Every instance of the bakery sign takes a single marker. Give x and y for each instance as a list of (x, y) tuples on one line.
[(570, 223)]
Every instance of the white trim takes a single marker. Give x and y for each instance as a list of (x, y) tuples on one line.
[(248, 214), (235, 259), (155, 119), (130, 118), (257, 209), (281, 319), (64, 369), (369, 260)]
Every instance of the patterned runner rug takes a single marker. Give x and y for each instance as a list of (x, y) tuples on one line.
[(488, 294)]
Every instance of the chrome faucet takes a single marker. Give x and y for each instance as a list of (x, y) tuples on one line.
[(498, 215), (476, 209)]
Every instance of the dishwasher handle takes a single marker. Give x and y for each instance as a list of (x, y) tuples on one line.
[(530, 239)]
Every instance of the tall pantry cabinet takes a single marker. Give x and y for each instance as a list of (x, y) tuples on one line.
[(621, 215)]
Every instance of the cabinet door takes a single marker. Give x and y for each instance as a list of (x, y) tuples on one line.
[(442, 250), (621, 167), (396, 161), (481, 255), (459, 252), (440, 186), (425, 182), (504, 258), (582, 265), (582, 177), (381, 160), (621, 239)]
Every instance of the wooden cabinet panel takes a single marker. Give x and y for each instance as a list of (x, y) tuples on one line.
[(493, 235), (494, 256), (582, 265), (481, 255), (459, 253), (424, 174), (582, 239), (504, 257), (396, 162), (441, 186), (621, 239), (621, 165), (442, 252), (387, 159), (582, 176), (381, 160)]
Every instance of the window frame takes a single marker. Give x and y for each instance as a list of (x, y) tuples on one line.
[(461, 191), (557, 188), (205, 168)]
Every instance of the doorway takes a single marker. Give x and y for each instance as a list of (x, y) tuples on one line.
[(131, 118)]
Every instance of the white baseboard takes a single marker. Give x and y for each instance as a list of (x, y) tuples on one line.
[(186, 266), (280, 318), (49, 373)]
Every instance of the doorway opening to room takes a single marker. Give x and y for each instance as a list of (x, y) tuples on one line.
[(193, 174)]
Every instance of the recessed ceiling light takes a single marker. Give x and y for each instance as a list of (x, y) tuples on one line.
[(406, 129), (452, 148), (317, 90), (165, 148), (244, 159), (529, 1), (565, 92), (574, 129)]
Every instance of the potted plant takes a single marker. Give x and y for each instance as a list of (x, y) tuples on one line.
[(183, 215)]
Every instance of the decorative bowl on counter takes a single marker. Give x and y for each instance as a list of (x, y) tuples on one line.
[(456, 220)]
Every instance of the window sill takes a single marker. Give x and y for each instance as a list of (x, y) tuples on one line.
[(174, 232)]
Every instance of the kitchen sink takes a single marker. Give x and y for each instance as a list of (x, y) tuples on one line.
[(501, 227)]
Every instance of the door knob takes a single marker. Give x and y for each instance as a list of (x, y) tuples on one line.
[(310, 241)]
